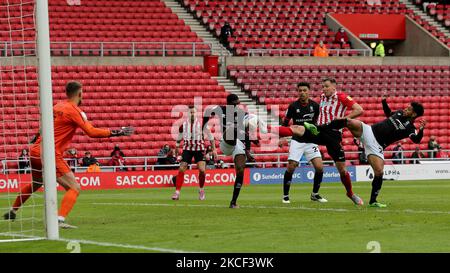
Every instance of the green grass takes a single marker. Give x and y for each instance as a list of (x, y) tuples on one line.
[(416, 220)]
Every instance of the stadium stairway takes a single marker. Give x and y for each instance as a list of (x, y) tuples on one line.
[(217, 47), (251, 105), (426, 17)]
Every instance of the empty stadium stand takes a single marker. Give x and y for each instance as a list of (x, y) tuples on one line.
[(276, 85), (439, 12), (288, 24), (98, 27), (113, 96)]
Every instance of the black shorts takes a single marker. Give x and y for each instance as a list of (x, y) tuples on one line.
[(187, 156), (329, 138)]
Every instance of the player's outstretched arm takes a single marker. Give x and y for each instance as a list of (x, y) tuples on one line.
[(416, 138), (386, 109), (357, 111)]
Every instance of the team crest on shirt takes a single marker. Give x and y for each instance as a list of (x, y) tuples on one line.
[(83, 115)]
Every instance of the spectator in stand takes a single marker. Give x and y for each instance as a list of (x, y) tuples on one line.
[(222, 165), (24, 162), (416, 155), (398, 155), (73, 159), (117, 158), (379, 50), (361, 152), (321, 50), (441, 154), (166, 156), (434, 146), (210, 159), (341, 38), (88, 159), (225, 32)]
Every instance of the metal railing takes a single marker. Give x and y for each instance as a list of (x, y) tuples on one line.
[(145, 162), (304, 52), (102, 49)]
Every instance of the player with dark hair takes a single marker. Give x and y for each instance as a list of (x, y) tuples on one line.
[(303, 110), (398, 125), (68, 117), (234, 137), (192, 132)]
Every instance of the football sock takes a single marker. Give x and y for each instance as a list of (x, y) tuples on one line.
[(335, 124), (284, 131), (287, 182), (347, 182), (174, 180), (201, 180), (69, 200), (317, 180), (25, 193), (376, 187), (179, 181), (237, 188)]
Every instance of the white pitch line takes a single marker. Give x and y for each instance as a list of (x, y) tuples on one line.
[(158, 249), (275, 207), (88, 242)]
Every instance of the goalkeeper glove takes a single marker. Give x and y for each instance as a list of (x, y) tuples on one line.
[(124, 131)]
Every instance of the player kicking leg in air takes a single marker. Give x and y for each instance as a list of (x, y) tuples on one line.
[(68, 117), (192, 132), (398, 125), (236, 137), (333, 105)]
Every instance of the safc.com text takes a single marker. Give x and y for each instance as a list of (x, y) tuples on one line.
[(131, 180)]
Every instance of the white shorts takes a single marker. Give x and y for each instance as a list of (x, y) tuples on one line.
[(297, 149), (227, 149), (371, 145)]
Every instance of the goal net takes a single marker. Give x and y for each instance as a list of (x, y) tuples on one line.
[(20, 119)]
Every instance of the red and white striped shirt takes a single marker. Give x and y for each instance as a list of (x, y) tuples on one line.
[(333, 107), (193, 135)]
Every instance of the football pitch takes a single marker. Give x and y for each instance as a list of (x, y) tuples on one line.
[(147, 220)]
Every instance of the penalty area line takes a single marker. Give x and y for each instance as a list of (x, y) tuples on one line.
[(89, 242), (139, 247), (278, 207)]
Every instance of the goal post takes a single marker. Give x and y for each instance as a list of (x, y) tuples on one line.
[(47, 130), (26, 107)]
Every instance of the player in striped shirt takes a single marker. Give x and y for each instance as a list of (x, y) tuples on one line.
[(334, 105), (192, 133)]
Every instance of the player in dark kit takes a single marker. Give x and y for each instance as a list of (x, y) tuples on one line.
[(397, 126), (192, 132), (300, 111), (235, 137)]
